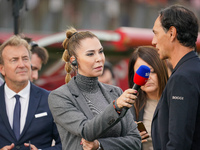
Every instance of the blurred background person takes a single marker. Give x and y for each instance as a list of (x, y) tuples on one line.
[(108, 76), (150, 93), (87, 111), (39, 56)]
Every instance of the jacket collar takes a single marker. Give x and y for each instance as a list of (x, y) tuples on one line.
[(35, 97), (185, 58), (79, 98), (33, 104)]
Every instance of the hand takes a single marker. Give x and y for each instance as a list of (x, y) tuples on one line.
[(8, 147), (127, 99), (32, 146), (144, 135), (87, 145)]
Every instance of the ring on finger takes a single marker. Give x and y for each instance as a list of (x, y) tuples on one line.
[(128, 96)]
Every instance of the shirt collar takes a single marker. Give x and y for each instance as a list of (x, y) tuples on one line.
[(23, 93)]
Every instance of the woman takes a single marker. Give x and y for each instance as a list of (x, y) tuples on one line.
[(150, 93), (89, 114)]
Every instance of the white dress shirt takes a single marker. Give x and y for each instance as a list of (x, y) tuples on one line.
[(10, 104)]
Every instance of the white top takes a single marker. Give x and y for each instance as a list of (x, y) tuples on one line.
[(147, 120), (10, 104)]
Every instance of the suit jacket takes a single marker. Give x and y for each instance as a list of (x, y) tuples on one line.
[(176, 121), (75, 120), (40, 131)]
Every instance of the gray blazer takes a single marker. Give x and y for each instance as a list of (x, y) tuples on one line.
[(75, 120)]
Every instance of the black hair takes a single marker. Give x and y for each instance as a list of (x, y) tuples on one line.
[(184, 21)]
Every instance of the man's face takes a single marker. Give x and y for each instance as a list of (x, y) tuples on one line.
[(106, 77), (36, 63), (17, 66), (161, 40)]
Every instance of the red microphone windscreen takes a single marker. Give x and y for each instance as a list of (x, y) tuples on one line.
[(141, 76)]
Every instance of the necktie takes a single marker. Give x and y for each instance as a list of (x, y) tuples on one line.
[(16, 117)]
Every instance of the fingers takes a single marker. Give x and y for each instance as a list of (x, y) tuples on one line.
[(85, 143), (144, 135), (12, 146), (130, 95), (127, 99), (89, 145), (128, 103), (8, 147), (32, 146), (145, 140), (130, 98)]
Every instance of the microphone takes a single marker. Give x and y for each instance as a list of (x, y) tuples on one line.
[(140, 78)]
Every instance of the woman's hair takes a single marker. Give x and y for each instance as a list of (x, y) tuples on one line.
[(150, 55), (71, 44)]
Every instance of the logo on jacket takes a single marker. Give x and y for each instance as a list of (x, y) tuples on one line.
[(177, 97)]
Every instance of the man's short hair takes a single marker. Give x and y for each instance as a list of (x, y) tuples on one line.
[(36, 49), (41, 52), (14, 40)]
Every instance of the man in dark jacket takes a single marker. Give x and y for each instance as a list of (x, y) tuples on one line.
[(176, 121)]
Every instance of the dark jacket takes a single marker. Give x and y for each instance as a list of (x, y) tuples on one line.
[(40, 131), (176, 121)]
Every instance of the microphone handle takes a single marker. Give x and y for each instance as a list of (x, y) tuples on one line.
[(136, 87), (125, 109)]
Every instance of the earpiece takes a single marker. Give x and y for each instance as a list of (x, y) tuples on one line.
[(74, 63)]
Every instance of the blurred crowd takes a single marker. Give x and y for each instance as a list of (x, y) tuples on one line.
[(55, 15)]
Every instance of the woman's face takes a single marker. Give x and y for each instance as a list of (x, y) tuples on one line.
[(90, 57), (151, 87)]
